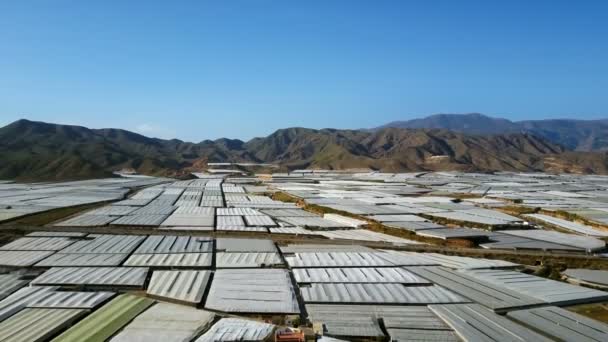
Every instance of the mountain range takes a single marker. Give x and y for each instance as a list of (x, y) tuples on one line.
[(32, 150), (577, 135)]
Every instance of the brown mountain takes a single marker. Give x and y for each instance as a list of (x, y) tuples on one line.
[(39, 151), (579, 135), (395, 149)]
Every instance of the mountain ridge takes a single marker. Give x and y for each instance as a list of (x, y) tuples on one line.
[(574, 134), (43, 151)]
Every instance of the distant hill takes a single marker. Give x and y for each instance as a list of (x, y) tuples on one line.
[(38, 150), (43, 151), (395, 149), (578, 135)]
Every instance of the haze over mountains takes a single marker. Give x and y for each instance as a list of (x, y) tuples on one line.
[(580, 135), (41, 151)]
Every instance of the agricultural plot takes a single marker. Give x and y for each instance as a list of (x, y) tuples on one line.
[(343, 254)]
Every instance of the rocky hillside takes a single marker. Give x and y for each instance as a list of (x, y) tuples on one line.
[(393, 149), (37, 150), (41, 151), (579, 135)]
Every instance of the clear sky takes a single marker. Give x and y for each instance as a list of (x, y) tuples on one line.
[(207, 69)]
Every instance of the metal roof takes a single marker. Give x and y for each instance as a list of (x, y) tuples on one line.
[(165, 322), (188, 286), (512, 242), (85, 259), (112, 210), (414, 226), (473, 322), (263, 205), (256, 188), (549, 291), (191, 202), (584, 242), (345, 220), (264, 200), (569, 225), (453, 233), (212, 202), (149, 193), (405, 208), (173, 190), (233, 189), (291, 230), (396, 218), (451, 261), (171, 260), (166, 201), (493, 296), (259, 220), (236, 329), (468, 217), (20, 298), (306, 221), (141, 220), (197, 211), (238, 212), (11, 282), (175, 244), (245, 245), (22, 258), (589, 277), (230, 221), (33, 325), (562, 324), (56, 234), (11, 215), (133, 202), (187, 228), (252, 291), (212, 192), (190, 220), (357, 275), (110, 276), (87, 221), (242, 229), (422, 335), (363, 320), (288, 213), (365, 235), (38, 244), (236, 197), (362, 209), (400, 258), (377, 294), (492, 214), (247, 260), (105, 244), (107, 320), (68, 299), (446, 206), (322, 248), (337, 259)]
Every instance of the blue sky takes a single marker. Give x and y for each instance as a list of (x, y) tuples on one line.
[(207, 69)]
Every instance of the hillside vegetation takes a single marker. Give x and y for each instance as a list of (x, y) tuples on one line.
[(42, 151), (579, 135)]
